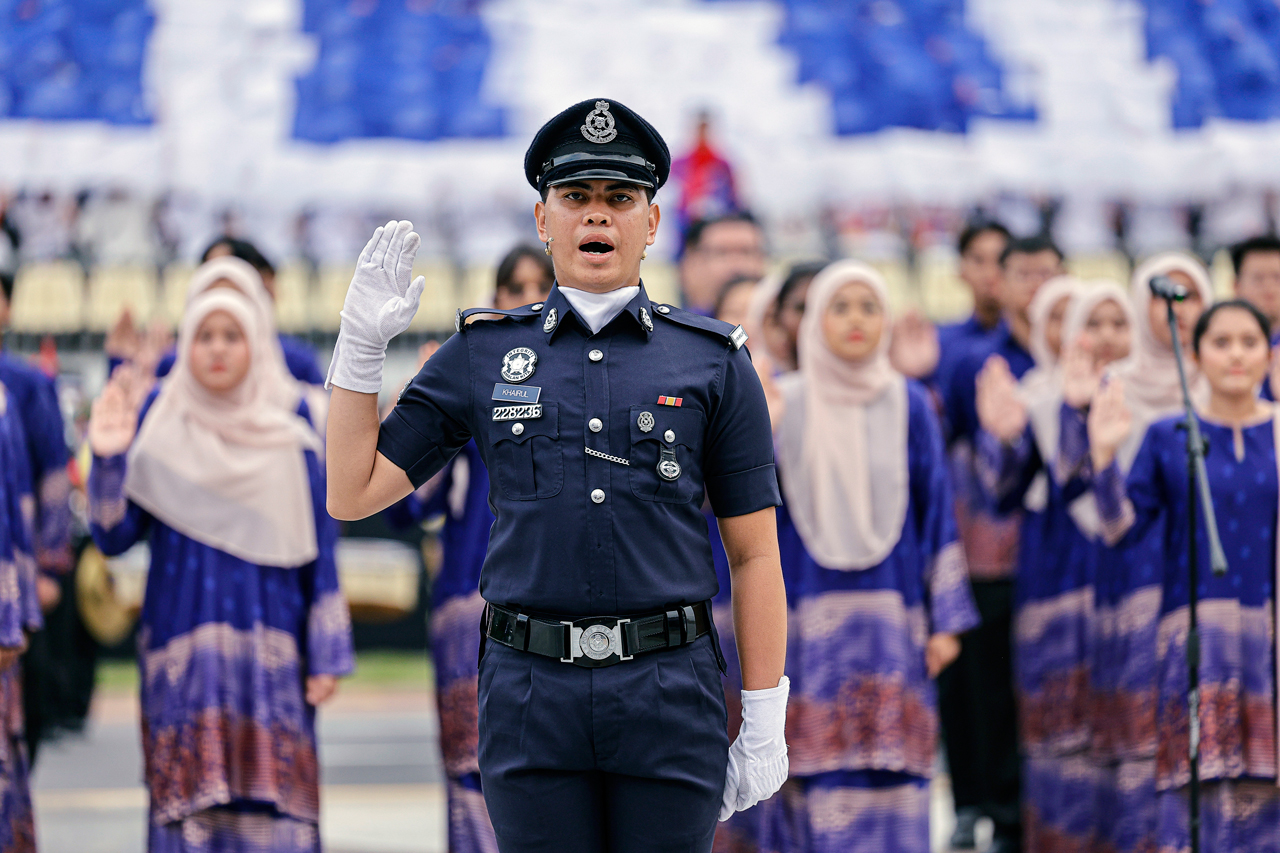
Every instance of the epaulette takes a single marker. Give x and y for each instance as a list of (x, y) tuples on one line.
[(735, 335), (463, 318)]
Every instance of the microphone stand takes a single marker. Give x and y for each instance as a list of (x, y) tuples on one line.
[(1198, 492)]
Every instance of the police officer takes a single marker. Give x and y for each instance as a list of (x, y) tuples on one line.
[(602, 417)]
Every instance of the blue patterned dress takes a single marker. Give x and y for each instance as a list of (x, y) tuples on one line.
[(224, 649), (461, 493), (1052, 635), (1241, 803), (862, 722), (19, 614)]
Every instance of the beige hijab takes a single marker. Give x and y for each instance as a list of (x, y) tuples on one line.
[(842, 442), (1150, 375), (244, 278), (1045, 379), (228, 469)]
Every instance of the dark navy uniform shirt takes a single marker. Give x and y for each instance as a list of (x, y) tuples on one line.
[(577, 534)]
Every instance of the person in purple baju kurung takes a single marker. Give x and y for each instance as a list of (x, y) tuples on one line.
[(1237, 714), (19, 614), (244, 627), (1122, 692), (1054, 586), (876, 586)]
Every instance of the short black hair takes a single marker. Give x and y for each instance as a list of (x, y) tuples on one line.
[(801, 273), (1202, 325), (1261, 243), (1030, 246), (729, 286), (244, 250), (507, 266), (6, 285), (698, 228), (975, 228)]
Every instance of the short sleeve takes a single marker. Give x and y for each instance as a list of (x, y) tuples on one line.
[(432, 420), (738, 465)]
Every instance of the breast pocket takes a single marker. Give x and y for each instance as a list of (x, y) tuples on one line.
[(528, 461), (666, 453)]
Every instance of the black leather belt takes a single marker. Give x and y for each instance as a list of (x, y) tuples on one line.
[(597, 640)]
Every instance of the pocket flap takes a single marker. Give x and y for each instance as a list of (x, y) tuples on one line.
[(684, 425)]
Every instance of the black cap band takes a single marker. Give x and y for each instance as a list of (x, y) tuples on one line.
[(596, 166)]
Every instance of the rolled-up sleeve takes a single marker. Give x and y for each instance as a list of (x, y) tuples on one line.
[(432, 420), (738, 467)]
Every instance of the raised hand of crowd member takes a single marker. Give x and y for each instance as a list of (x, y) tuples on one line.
[(1081, 374), (1001, 411), (914, 349), (1109, 424), (772, 394), (113, 418), (940, 652), (123, 340)]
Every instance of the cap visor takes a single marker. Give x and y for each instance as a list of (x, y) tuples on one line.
[(600, 174)]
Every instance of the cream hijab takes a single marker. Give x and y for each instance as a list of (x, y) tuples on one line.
[(228, 469), (244, 278), (1151, 387), (842, 442), (1046, 377)]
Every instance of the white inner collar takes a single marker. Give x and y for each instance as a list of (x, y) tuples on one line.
[(598, 309)]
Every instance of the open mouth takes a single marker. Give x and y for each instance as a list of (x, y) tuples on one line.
[(598, 248)]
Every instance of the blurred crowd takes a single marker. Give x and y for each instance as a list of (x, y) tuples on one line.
[(984, 539)]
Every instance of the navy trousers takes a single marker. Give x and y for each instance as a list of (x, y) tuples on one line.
[(624, 758)]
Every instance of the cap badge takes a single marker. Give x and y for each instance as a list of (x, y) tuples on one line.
[(518, 365), (645, 321), (600, 126), (550, 323)]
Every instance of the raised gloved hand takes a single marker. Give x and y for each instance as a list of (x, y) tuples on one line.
[(380, 304), (758, 758)]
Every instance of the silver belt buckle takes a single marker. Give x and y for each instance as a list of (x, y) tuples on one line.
[(596, 641)]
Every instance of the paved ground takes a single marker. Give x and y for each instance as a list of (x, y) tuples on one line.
[(381, 769)]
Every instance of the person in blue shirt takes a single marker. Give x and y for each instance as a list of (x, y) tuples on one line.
[(602, 416), (976, 694), (1256, 263), (19, 616), (460, 493), (35, 400), (981, 245)]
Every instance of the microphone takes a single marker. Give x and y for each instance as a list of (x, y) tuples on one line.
[(1166, 288)]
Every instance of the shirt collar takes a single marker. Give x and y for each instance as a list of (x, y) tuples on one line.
[(640, 309)]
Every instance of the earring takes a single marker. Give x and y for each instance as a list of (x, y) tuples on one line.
[(548, 249), (644, 255)]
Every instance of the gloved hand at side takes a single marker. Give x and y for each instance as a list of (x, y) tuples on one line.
[(380, 304), (758, 758)]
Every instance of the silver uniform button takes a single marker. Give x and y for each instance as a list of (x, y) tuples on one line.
[(595, 355), (663, 309), (537, 306), (517, 429), (669, 436), (595, 425), (597, 496)]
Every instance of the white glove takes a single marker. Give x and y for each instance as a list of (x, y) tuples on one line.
[(758, 758), (380, 304)]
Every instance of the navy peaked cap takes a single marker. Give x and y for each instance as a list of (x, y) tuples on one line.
[(598, 139)]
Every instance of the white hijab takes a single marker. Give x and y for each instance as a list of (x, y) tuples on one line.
[(1151, 387), (228, 469), (842, 442)]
